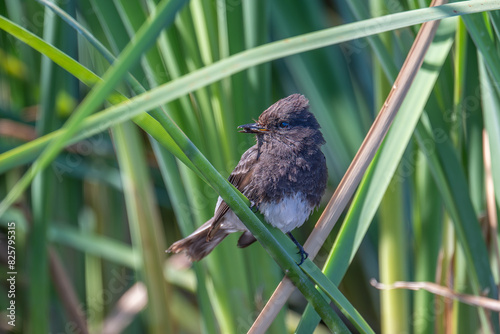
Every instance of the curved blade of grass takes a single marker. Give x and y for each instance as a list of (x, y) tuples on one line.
[(164, 16), (31, 150), (209, 74), (275, 50)]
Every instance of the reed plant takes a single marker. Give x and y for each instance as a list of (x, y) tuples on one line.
[(118, 132)]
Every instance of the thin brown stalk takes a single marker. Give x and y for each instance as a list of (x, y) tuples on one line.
[(12, 129), (357, 169), (63, 286), (67, 293), (491, 211), (479, 301), (130, 304)]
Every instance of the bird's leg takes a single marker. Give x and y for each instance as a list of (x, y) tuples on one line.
[(302, 252)]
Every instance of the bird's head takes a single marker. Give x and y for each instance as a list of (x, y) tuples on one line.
[(289, 121)]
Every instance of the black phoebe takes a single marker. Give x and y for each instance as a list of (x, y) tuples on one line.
[(284, 176)]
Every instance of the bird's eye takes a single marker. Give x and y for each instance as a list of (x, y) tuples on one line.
[(283, 125)]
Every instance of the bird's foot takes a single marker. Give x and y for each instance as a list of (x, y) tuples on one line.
[(302, 252)]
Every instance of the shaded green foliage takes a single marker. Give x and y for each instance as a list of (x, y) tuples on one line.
[(108, 205)]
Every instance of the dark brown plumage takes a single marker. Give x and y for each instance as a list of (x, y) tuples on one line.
[(283, 175)]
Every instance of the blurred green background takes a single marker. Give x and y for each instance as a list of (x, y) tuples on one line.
[(92, 228)]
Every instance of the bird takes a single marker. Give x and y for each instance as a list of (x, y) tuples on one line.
[(284, 175)]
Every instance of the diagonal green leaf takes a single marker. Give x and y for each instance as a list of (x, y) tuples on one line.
[(31, 150), (209, 74), (336, 296), (164, 16)]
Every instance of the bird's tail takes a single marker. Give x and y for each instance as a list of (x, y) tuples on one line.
[(198, 245)]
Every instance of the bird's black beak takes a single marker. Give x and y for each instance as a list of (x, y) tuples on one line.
[(252, 128)]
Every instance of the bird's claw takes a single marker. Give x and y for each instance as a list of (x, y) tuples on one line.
[(302, 252), (303, 255)]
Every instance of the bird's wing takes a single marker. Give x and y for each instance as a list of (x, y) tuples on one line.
[(240, 178)]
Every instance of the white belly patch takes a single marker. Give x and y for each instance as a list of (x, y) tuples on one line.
[(287, 214)]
